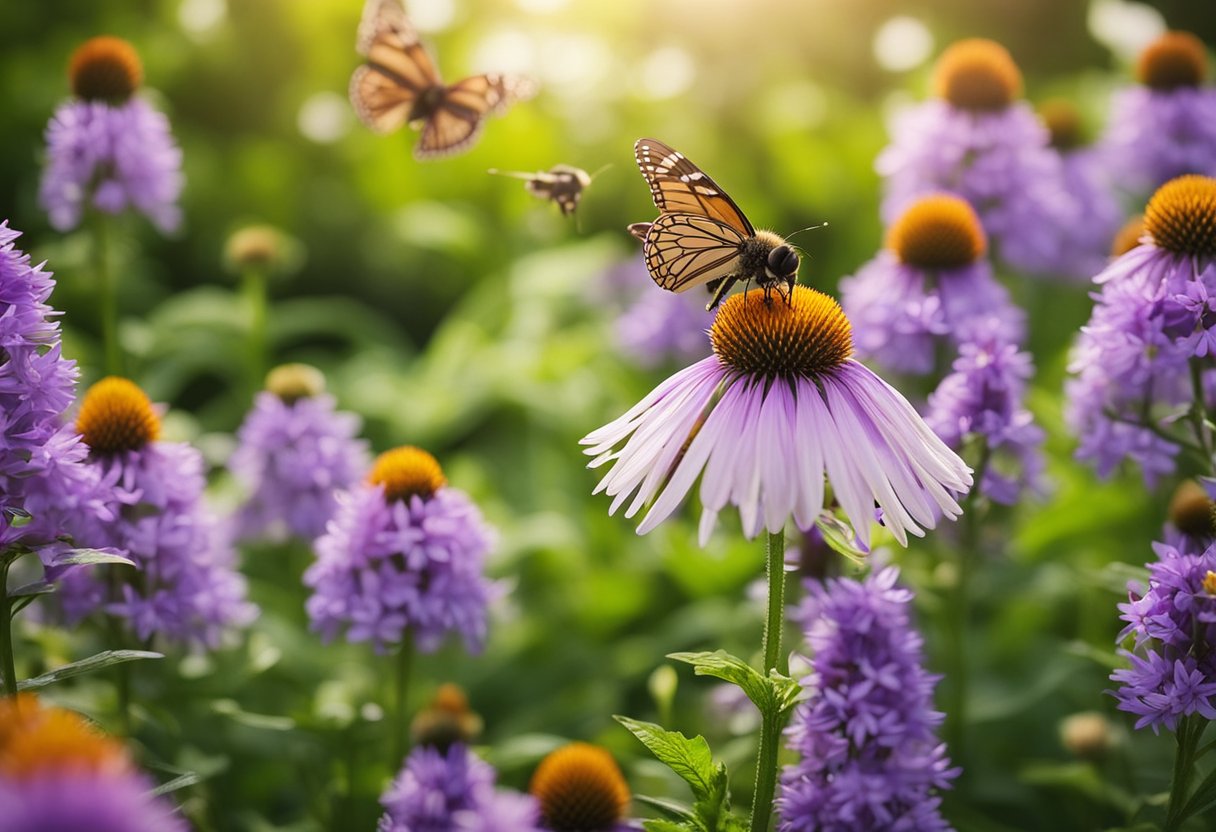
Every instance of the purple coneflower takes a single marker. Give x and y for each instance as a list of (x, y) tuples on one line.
[(453, 791), (187, 589), (1173, 628), (1166, 126), (982, 402), (1085, 243), (107, 149), (1147, 353), (58, 772), (402, 559), (42, 480), (928, 290), (866, 736), (294, 451), (760, 421), (977, 140)]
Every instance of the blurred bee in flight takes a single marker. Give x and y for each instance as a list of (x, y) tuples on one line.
[(563, 185), (701, 237)]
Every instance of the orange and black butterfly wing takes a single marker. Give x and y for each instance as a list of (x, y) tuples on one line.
[(687, 250), (680, 187), (460, 114), (398, 69)]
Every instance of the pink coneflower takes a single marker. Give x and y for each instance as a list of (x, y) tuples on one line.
[(778, 404)]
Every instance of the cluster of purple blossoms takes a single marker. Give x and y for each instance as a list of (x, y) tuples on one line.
[(1166, 126), (983, 399), (108, 150), (453, 791), (403, 558), (187, 589), (1147, 352), (656, 327), (869, 755), (977, 141), (1173, 627), (295, 450), (929, 290), (42, 480)]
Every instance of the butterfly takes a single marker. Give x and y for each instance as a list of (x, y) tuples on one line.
[(561, 184), (399, 85), (701, 238)]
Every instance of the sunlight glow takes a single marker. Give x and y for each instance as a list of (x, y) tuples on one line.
[(665, 73), (433, 15), (1124, 27), (902, 43), (507, 50), (200, 17), (324, 117), (541, 6)]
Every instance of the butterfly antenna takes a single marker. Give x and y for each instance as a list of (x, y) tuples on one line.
[(809, 228)]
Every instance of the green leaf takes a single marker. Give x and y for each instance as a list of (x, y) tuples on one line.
[(668, 807), (33, 589), (188, 779), (660, 825), (723, 665), (89, 665), (786, 691), (841, 537), (18, 517), (688, 758), (81, 557)]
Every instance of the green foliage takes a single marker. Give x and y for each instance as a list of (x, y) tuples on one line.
[(92, 664)]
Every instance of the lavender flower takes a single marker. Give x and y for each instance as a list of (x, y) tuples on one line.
[(983, 400), (979, 142), (452, 790), (294, 451), (656, 327), (761, 420), (41, 475), (870, 758), (1166, 127), (403, 557), (1173, 630), (1149, 336), (108, 150), (58, 773), (188, 589), (929, 290)]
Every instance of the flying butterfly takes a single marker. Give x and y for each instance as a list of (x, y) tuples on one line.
[(563, 185), (701, 238), (399, 84)]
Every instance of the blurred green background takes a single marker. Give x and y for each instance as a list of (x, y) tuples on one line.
[(453, 311)]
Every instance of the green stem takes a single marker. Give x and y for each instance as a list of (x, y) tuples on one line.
[(770, 720), (405, 658), (1199, 411), (254, 286), (8, 664), (107, 290), (1190, 729)]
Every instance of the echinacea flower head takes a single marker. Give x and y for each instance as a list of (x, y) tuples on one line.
[(452, 791), (58, 772), (1171, 629), (866, 734), (295, 451), (42, 480), (1192, 519), (1151, 334), (1166, 125), (982, 401), (580, 788), (930, 287), (403, 557), (187, 589), (107, 149), (779, 403), (978, 140), (1128, 237)]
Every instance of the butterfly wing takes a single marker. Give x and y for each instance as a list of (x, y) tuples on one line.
[(459, 115), (686, 250), (398, 68), (680, 187)]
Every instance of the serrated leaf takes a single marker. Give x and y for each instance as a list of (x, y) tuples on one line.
[(690, 759), (188, 779), (89, 665), (724, 666), (669, 807), (786, 691), (841, 538), (82, 557), (661, 825)]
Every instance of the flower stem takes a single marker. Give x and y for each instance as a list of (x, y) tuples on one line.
[(107, 289), (8, 664), (405, 658), (1190, 729), (254, 286), (770, 720)]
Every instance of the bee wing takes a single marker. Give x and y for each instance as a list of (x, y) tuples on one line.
[(686, 250), (680, 187)]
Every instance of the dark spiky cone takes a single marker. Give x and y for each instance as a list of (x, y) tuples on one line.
[(770, 337), (115, 416), (977, 74), (580, 789), (938, 232), (105, 69), (1176, 59), (407, 472), (1191, 511), (1181, 216)]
